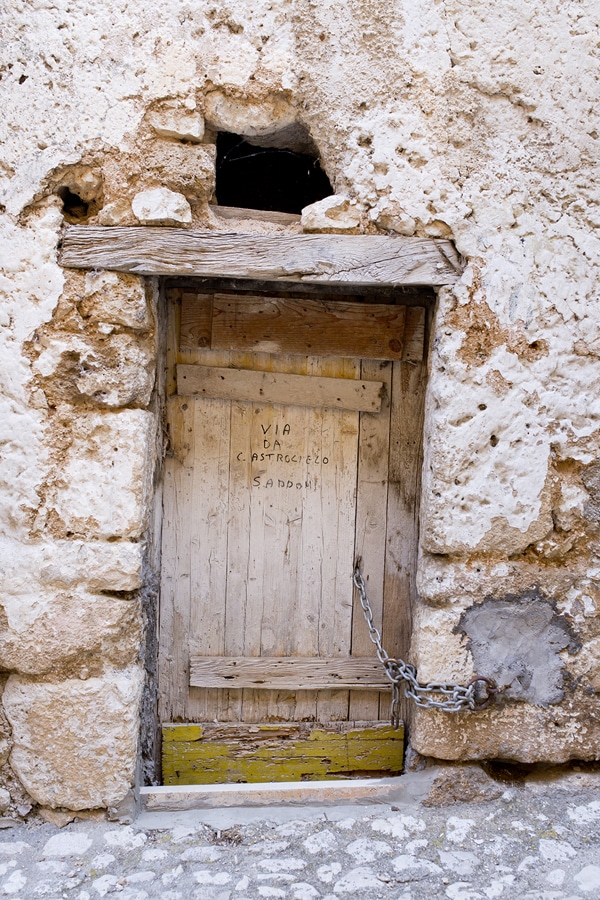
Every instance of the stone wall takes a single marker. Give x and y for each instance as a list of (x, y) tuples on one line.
[(455, 118)]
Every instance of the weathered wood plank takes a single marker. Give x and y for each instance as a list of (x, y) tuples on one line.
[(219, 754), (288, 673), (301, 326), (261, 215), (274, 387), (414, 334), (406, 459), (358, 259), (196, 321), (371, 523)]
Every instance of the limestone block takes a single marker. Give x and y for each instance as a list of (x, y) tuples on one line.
[(74, 630), (92, 566), (520, 733), (248, 117), (75, 742), (334, 214), (185, 168), (180, 124), (103, 488), (110, 371), (161, 206), (116, 298), (437, 650)]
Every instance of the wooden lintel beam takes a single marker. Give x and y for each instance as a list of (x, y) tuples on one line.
[(288, 673), (318, 258)]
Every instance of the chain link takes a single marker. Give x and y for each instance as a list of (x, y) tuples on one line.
[(435, 694)]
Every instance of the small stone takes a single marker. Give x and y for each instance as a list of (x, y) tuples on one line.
[(141, 877), (588, 879), (556, 851), (116, 213), (321, 842), (55, 816), (332, 215), (14, 883), (359, 879), (364, 850), (125, 838), (177, 124), (205, 877), (161, 207), (105, 884), (4, 800), (7, 823), (460, 861), (13, 848), (462, 784), (73, 844)]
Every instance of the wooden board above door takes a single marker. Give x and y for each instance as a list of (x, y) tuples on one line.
[(301, 326), (326, 258)]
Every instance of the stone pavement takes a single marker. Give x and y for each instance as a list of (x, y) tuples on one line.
[(531, 838)]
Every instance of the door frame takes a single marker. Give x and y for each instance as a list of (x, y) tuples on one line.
[(400, 572)]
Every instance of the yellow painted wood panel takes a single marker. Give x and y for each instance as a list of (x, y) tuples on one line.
[(213, 754)]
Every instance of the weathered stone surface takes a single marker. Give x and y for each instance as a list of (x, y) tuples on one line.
[(462, 784), (75, 741), (4, 800), (109, 371), (179, 124), (73, 632), (103, 488), (161, 206), (116, 298), (118, 212), (188, 169), (518, 733), (94, 565), (334, 214), (248, 117)]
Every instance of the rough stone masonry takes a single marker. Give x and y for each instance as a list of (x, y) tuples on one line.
[(460, 119)]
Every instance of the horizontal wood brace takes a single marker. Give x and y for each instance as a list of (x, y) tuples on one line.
[(288, 673), (221, 383), (334, 258), (301, 326)]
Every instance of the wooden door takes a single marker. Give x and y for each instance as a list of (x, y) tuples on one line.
[(290, 456)]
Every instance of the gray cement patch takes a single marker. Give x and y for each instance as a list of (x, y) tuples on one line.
[(516, 641)]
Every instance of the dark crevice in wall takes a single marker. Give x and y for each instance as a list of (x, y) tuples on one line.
[(268, 178)]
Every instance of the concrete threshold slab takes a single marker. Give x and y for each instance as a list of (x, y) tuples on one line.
[(297, 793)]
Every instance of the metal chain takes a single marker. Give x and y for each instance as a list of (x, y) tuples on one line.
[(435, 694)]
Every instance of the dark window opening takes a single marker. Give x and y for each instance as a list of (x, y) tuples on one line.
[(268, 178)]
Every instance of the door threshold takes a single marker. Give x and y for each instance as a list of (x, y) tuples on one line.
[(298, 793)]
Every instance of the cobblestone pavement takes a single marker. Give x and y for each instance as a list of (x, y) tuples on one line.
[(534, 841)]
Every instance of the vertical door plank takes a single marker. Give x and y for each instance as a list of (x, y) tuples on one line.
[(371, 521), (408, 402), (208, 541), (339, 442)]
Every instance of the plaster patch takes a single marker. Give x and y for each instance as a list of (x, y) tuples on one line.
[(517, 642)]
